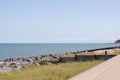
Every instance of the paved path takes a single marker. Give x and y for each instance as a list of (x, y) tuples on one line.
[(108, 70)]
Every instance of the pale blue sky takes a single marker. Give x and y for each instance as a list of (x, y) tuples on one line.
[(59, 21)]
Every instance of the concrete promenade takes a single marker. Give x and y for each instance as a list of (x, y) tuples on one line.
[(108, 70)]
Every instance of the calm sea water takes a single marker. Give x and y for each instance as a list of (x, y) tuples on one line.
[(13, 50)]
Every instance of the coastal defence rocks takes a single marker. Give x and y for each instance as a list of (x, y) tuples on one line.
[(14, 64)]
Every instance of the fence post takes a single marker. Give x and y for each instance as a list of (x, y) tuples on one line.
[(106, 55)]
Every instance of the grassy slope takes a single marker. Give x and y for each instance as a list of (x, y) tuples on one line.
[(61, 71)]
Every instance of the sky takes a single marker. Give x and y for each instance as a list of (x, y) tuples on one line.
[(59, 21)]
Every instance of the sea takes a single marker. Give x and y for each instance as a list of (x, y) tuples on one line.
[(16, 50)]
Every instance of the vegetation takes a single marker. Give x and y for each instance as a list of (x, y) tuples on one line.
[(118, 41), (61, 71), (12, 65)]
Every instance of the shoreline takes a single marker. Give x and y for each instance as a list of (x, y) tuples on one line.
[(13, 64), (17, 50)]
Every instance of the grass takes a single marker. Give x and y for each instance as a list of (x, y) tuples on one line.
[(61, 71)]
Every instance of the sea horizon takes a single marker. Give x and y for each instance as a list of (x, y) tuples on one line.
[(15, 50)]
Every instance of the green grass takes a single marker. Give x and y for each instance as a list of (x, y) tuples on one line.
[(61, 71)]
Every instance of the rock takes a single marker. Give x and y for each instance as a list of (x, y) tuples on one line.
[(6, 69), (36, 64), (45, 63)]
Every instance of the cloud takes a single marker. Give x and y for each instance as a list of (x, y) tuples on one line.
[(85, 40), (72, 39)]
